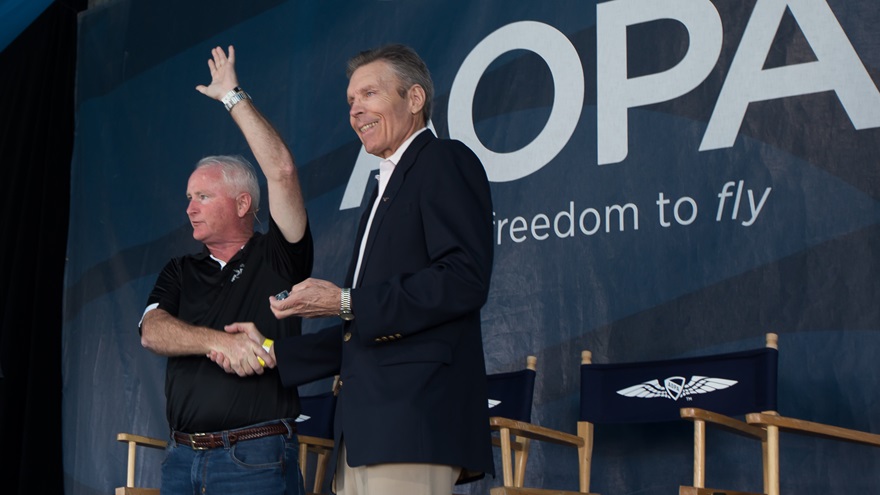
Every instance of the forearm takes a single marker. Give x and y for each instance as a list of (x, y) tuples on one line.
[(272, 154), (285, 199), (166, 335), (306, 358)]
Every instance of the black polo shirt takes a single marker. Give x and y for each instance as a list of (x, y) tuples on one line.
[(200, 396)]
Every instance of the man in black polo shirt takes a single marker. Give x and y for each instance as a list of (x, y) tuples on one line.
[(229, 434)]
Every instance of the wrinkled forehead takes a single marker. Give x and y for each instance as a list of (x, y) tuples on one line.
[(206, 179), (376, 73)]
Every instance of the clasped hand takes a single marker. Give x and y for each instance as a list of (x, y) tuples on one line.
[(248, 361), (311, 298)]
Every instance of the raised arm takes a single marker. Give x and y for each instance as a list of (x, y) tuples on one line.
[(286, 204)]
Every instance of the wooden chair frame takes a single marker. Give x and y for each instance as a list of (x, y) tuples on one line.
[(513, 471), (766, 427), (134, 441), (701, 418), (582, 442), (774, 423), (321, 447)]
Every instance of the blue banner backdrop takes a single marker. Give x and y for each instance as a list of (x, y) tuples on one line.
[(669, 177)]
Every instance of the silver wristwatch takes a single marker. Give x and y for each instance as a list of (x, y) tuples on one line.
[(345, 305), (233, 97)]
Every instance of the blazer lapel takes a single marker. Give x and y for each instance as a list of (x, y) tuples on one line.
[(362, 225), (394, 184)]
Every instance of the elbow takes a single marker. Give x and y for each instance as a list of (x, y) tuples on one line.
[(146, 342), (287, 174), (147, 333)]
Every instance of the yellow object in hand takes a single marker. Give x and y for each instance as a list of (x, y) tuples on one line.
[(267, 344)]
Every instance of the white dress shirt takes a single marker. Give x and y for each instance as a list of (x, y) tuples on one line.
[(386, 168)]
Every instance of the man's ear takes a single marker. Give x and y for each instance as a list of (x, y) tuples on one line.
[(416, 98), (242, 204)]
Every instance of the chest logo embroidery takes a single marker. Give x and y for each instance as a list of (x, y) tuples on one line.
[(237, 273)]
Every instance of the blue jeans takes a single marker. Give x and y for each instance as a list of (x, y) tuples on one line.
[(262, 466)]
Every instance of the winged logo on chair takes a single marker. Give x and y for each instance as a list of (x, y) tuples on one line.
[(675, 387)]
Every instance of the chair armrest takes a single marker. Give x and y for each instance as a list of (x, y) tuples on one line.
[(814, 429), (724, 422), (142, 440), (325, 443), (535, 432), (133, 442)]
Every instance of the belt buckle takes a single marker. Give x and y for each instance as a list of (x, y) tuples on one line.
[(192, 440)]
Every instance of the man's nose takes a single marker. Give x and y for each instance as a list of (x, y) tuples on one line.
[(355, 109)]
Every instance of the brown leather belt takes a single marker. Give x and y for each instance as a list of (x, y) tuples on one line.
[(204, 441)]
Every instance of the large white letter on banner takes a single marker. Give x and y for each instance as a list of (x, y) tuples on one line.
[(838, 68), (615, 93), (568, 99), (359, 180)]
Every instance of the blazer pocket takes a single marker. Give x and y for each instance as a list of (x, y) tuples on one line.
[(416, 352)]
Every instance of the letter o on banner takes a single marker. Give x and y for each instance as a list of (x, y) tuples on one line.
[(568, 97)]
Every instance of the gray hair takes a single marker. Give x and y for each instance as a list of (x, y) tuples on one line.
[(406, 64), (238, 174)]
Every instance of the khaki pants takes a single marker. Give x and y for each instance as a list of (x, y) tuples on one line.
[(393, 479)]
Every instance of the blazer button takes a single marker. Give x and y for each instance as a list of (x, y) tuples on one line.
[(346, 337)]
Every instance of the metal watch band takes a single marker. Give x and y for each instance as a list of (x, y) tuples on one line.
[(233, 97), (345, 301), (345, 305)]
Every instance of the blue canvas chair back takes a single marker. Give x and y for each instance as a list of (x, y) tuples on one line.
[(510, 394), (731, 384), (316, 416)]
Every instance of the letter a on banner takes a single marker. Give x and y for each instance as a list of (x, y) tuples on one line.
[(359, 180), (838, 68)]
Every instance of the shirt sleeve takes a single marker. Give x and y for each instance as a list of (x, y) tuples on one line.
[(166, 292), (294, 260)]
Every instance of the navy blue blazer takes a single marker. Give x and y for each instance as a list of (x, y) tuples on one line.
[(411, 362)]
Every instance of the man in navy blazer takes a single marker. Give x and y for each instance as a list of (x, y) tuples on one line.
[(411, 415)]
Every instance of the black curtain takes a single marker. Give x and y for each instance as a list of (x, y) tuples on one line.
[(37, 73)]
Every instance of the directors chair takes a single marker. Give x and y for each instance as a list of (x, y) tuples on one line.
[(315, 433), (510, 407), (646, 392)]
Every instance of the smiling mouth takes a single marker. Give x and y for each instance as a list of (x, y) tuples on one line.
[(366, 127)]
